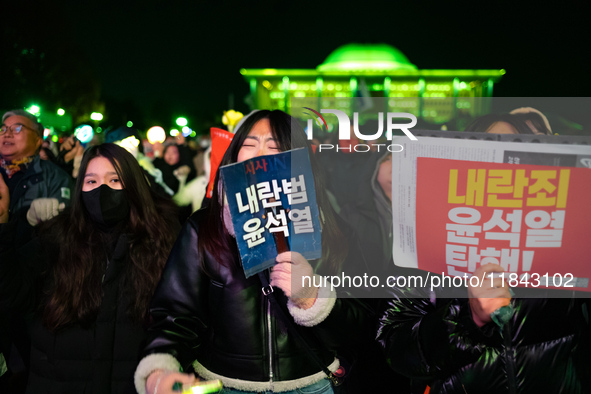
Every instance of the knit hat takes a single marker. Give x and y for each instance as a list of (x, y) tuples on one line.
[(527, 110)]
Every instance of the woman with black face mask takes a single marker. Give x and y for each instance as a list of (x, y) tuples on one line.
[(86, 280)]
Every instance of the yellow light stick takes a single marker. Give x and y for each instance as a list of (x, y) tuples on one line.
[(210, 386)]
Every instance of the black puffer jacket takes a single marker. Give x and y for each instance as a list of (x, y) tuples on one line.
[(224, 322), (544, 348), (98, 359)]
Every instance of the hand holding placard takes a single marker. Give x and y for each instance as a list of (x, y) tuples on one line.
[(287, 275), (491, 294)]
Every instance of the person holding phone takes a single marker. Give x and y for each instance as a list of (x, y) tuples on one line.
[(85, 281), (70, 156), (209, 318)]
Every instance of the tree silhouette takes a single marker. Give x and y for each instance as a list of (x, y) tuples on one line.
[(42, 64)]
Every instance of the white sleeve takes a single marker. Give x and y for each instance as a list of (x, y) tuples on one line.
[(322, 307), (151, 363)]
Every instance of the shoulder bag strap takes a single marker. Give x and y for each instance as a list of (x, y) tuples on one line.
[(268, 292)]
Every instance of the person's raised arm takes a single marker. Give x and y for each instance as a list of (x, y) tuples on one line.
[(492, 294), (426, 335)]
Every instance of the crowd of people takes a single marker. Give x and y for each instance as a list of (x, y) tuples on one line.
[(119, 275)]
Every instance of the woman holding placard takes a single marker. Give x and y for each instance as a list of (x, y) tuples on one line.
[(209, 317)]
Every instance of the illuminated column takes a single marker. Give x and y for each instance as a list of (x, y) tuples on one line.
[(319, 87), (456, 87), (387, 82), (421, 87), (285, 93), (421, 93), (456, 90), (489, 90), (353, 84), (253, 92)]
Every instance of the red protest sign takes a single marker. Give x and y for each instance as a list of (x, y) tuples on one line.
[(532, 220)]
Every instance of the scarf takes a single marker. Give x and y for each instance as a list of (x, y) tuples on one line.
[(14, 166)]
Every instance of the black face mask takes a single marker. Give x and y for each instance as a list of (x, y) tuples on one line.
[(106, 206)]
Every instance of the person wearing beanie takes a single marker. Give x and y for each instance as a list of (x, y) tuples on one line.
[(535, 120)]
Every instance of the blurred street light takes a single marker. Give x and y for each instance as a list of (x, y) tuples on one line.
[(96, 116), (34, 109), (61, 112), (156, 134), (181, 121)]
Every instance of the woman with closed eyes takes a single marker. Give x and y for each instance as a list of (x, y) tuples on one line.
[(207, 317)]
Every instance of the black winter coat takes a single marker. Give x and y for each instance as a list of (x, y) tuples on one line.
[(224, 322), (544, 348), (363, 216), (99, 359)]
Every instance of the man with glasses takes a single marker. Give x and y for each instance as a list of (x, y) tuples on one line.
[(31, 191), (27, 177)]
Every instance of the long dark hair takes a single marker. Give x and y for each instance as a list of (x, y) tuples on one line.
[(75, 290), (288, 135)]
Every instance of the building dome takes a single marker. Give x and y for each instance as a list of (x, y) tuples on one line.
[(366, 57)]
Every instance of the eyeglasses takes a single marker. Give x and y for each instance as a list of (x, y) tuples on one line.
[(15, 128)]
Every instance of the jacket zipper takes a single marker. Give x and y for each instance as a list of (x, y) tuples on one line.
[(270, 343), (509, 359), (105, 273)]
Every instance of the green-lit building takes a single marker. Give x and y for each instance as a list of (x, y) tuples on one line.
[(375, 70)]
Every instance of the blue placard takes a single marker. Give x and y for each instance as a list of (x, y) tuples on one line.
[(272, 201)]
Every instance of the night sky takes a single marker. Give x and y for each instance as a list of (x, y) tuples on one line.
[(179, 57)]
